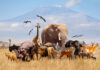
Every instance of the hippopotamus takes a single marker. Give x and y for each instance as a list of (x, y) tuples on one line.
[(24, 48)]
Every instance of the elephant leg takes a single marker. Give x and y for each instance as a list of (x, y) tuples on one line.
[(62, 43)]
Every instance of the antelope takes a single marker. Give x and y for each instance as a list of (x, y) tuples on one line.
[(89, 51), (67, 52)]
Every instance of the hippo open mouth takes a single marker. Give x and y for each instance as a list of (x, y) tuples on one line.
[(20, 56)]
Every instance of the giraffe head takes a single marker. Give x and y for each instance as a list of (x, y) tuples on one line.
[(38, 25)]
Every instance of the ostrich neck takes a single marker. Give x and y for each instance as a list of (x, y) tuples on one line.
[(9, 43)]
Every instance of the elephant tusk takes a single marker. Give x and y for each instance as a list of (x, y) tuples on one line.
[(59, 36)]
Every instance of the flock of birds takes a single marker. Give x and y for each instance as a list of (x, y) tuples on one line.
[(28, 21), (42, 18)]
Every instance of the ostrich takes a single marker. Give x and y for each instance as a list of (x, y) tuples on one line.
[(13, 47), (9, 42)]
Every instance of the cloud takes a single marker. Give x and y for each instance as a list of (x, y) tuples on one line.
[(78, 15), (4, 26), (85, 25), (55, 19), (14, 25), (59, 6), (71, 3), (89, 25)]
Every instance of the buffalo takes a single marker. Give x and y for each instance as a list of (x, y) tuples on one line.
[(75, 44)]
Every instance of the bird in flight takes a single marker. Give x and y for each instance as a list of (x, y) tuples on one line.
[(77, 36), (30, 31), (41, 18), (27, 21)]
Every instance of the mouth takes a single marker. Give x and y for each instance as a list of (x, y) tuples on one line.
[(20, 56)]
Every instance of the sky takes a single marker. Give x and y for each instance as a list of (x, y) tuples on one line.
[(13, 8)]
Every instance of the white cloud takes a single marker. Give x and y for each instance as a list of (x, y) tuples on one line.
[(71, 3), (59, 6), (78, 15), (4, 26), (55, 19), (14, 25), (85, 25)]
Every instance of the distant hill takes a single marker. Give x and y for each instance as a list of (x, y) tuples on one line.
[(51, 11), (77, 23), (3, 44)]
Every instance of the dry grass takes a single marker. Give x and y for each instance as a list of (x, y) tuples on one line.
[(51, 64)]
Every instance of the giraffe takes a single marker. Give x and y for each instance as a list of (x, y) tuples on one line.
[(36, 39)]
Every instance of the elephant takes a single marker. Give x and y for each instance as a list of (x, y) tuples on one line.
[(55, 33)]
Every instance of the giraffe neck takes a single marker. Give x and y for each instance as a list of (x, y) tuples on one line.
[(37, 31), (37, 36)]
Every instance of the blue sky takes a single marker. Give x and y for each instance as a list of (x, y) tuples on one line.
[(19, 32), (14, 8)]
